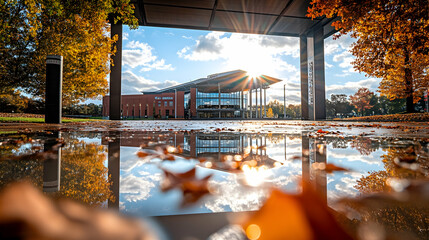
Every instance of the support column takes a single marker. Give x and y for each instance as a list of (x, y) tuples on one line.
[(265, 102), (250, 104), (284, 101), (218, 88), (319, 76), (304, 77), (115, 73), (242, 104), (256, 103), (260, 102)]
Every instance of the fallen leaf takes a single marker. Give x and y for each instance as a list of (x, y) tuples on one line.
[(288, 216)]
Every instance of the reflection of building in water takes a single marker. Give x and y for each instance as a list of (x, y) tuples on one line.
[(219, 145), (314, 151), (113, 163)]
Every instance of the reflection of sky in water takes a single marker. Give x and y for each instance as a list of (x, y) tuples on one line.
[(140, 180), (341, 184)]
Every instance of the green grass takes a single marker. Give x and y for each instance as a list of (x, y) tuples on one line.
[(42, 120)]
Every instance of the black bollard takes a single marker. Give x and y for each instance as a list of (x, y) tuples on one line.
[(54, 81)]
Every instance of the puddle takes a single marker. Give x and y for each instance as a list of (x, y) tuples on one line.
[(123, 167)]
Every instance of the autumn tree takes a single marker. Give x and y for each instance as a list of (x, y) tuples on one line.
[(397, 216), (392, 41), (270, 113), (84, 176), (338, 104), (361, 99), (276, 106), (77, 30)]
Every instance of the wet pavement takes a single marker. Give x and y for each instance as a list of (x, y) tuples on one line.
[(137, 166)]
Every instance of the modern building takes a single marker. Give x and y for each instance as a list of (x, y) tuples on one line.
[(233, 94)]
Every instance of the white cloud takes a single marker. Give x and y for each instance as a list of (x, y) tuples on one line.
[(125, 36), (259, 53), (340, 48), (186, 37), (327, 65), (232, 195), (139, 54), (333, 46), (351, 87), (134, 84), (345, 59), (138, 188)]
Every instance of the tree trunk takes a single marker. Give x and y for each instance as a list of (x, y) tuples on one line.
[(408, 83)]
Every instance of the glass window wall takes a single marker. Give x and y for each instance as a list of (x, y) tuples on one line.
[(211, 100)]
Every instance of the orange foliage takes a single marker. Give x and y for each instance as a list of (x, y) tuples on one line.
[(287, 216), (392, 41), (361, 99)]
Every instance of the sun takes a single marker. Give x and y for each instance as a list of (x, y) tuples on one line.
[(254, 73)]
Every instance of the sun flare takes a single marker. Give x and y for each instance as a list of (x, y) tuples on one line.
[(253, 73)]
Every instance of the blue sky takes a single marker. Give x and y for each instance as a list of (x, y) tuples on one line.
[(155, 58)]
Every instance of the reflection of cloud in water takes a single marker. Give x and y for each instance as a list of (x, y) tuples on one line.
[(276, 151), (343, 186), (138, 188), (232, 195), (129, 159), (353, 155)]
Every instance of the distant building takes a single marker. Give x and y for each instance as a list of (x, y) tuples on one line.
[(232, 94)]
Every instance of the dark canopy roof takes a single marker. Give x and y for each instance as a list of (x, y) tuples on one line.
[(272, 17), (232, 81)]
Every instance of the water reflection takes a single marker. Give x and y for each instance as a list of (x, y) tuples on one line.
[(114, 155), (52, 164), (79, 170), (66, 168)]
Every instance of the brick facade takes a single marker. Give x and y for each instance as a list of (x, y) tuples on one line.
[(160, 106)]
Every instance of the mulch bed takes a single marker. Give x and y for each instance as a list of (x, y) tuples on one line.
[(408, 117), (24, 115)]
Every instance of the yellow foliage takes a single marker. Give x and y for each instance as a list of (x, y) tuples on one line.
[(77, 30), (270, 113)]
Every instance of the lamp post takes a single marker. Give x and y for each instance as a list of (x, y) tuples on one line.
[(284, 101)]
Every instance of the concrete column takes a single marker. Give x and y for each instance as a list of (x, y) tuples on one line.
[(284, 101), (256, 103), (260, 102), (250, 103), (115, 73), (304, 76), (218, 87), (242, 104), (113, 164), (319, 76), (54, 81), (265, 102)]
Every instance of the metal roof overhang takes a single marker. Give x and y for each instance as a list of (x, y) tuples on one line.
[(270, 17), (227, 82)]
